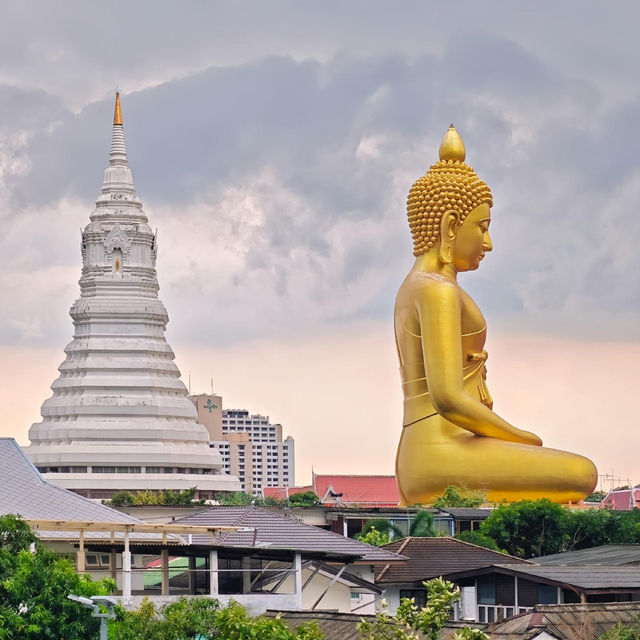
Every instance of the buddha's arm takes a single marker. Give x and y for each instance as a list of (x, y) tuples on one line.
[(440, 320)]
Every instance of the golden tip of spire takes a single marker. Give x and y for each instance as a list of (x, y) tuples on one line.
[(452, 147), (117, 113)]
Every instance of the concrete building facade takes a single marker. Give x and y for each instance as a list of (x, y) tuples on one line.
[(250, 446)]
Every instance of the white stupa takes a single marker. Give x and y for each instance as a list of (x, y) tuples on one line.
[(119, 417)]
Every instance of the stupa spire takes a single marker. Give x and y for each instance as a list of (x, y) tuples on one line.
[(118, 154)]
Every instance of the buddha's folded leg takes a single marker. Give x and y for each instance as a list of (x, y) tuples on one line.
[(505, 470)]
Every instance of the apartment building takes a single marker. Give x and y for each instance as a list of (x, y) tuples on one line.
[(250, 446)]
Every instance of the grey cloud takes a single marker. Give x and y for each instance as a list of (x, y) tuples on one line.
[(544, 140)]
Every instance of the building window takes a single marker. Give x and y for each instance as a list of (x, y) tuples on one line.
[(419, 596)]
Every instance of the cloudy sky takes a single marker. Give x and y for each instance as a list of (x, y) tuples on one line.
[(273, 144)]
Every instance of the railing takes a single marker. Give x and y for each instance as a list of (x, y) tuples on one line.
[(496, 612)]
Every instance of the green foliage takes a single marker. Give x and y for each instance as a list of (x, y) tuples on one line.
[(374, 537), (478, 538), (412, 622), (422, 525), (596, 496), (528, 528), (623, 631), (470, 634), (304, 499), (165, 497), (122, 499), (189, 618), (34, 586), (459, 496), (238, 498), (532, 528)]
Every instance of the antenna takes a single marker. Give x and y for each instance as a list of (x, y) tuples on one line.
[(211, 386), (189, 382)]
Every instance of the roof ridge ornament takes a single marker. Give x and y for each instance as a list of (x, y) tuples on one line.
[(117, 112)]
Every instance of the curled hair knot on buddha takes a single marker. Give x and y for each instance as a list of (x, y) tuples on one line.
[(449, 185)]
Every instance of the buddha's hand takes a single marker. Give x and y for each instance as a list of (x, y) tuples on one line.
[(529, 438)]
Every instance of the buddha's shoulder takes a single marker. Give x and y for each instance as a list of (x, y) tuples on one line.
[(426, 280), (424, 285)]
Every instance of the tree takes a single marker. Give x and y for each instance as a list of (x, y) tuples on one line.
[(459, 496), (304, 499), (478, 538), (238, 498), (374, 537), (203, 617), (528, 528), (165, 497), (422, 525), (412, 622), (596, 496), (34, 585)]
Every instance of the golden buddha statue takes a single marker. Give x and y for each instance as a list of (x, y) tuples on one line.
[(450, 435)]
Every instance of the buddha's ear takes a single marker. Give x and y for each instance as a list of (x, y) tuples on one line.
[(448, 229)]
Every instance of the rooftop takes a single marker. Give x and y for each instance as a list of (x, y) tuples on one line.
[(608, 555), (272, 530), (24, 492), (566, 621), (585, 578), (434, 557)]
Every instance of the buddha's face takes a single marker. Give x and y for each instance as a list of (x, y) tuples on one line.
[(472, 239)]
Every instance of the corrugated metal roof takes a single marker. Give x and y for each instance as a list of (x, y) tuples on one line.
[(566, 621), (434, 557), (583, 577), (277, 531), (608, 554), (23, 491)]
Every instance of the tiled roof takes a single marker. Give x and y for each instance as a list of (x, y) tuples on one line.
[(566, 621), (608, 554), (435, 557), (361, 490), (622, 499), (275, 531), (23, 491)]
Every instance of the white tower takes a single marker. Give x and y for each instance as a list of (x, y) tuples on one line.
[(119, 417)]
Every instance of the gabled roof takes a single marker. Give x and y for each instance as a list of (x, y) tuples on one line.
[(435, 557), (587, 578), (566, 621), (583, 578), (264, 528), (610, 555), (375, 491), (24, 492)]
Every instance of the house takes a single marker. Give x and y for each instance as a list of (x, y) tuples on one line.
[(502, 590), (432, 558), (265, 530)]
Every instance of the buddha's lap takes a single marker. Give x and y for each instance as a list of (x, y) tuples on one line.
[(474, 458)]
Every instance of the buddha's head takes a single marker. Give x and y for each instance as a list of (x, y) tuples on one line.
[(441, 201)]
